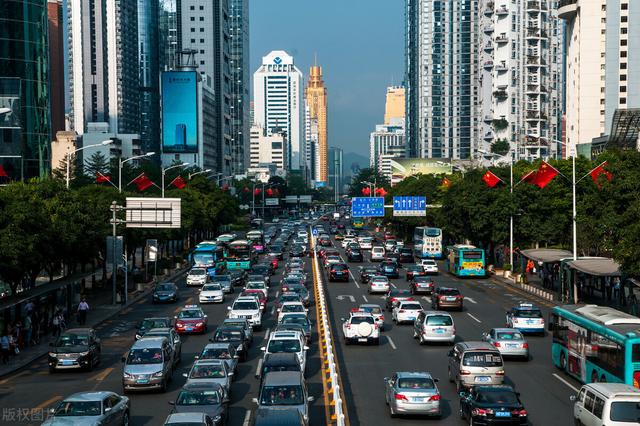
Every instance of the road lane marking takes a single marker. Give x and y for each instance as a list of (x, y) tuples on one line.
[(259, 368), (247, 418), (346, 296), (273, 310), (365, 298), (354, 279), (467, 298), (8, 379), (393, 345), (474, 318), (393, 285), (49, 402), (565, 382), (266, 334), (427, 299), (277, 294), (102, 375)]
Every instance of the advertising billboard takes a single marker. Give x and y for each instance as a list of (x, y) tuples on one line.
[(404, 167), (180, 112)]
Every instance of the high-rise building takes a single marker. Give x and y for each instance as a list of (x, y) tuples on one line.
[(312, 151), (520, 79), (148, 59), (240, 83), (316, 100), (395, 104), (278, 102), (104, 64), (268, 148), (167, 35), (602, 69), (336, 170), (441, 78), (56, 66), (24, 88), (388, 139)]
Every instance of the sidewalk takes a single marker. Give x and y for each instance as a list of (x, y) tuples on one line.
[(531, 288), (101, 311)]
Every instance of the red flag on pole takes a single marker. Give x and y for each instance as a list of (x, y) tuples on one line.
[(269, 192), (178, 182), (366, 191), (529, 177), (246, 189), (380, 192), (546, 173), (595, 174), (142, 182), (3, 172), (225, 187), (101, 178), (491, 179), (257, 191)]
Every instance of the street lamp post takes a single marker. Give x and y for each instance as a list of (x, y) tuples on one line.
[(198, 173), (164, 171), (68, 159), (121, 163)]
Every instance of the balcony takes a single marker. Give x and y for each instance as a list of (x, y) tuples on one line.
[(488, 136), (488, 11), (567, 9), (488, 47), (502, 86), (488, 119), (500, 95), (502, 67), (488, 29), (502, 11), (502, 38), (533, 6), (488, 65)]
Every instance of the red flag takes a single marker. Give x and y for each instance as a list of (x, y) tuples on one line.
[(178, 182), (446, 182), (595, 174), (142, 182), (100, 178), (257, 191), (546, 173), (3, 172), (366, 191), (380, 192), (269, 192), (491, 179), (529, 177)]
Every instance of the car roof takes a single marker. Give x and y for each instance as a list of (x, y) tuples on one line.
[(506, 330), (292, 302), (370, 305), (89, 396), (288, 334), (186, 418), (77, 331), (283, 378), (200, 385), (281, 358), (149, 342), (493, 388), (233, 321), (613, 389)]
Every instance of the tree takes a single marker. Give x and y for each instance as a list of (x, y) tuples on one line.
[(369, 174), (500, 147), (97, 163)]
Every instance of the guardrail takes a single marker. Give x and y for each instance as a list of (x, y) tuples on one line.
[(334, 396)]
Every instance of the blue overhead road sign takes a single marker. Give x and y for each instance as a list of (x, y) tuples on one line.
[(367, 207), (413, 205)]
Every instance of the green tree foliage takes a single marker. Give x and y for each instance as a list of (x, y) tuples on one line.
[(500, 147), (97, 163), (369, 174)]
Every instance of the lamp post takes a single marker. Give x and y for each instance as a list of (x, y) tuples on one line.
[(164, 171), (198, 173), (107, 142), (121, 163)]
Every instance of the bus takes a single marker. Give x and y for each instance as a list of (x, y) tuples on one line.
[(427, 242), (596, 343), (466, 261), (240, 255), (210, 255), (257, 240), (358, 223)]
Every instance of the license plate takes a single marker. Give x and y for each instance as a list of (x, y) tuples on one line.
[(451, 299), (439, 331), (338, 273), (189, 328), (483, 379), (67, 362), (503, 414), (417, 399), (512, 346), (411, 318), (362, 340), (143, 381)]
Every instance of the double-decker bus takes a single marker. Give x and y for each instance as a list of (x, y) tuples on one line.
[(240, 255), (596, 343), (257, 240), (466, 261), (427, 242), (210, 255)]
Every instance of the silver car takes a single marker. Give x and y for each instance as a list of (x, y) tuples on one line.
[(412, 393), (91, 408), (174, 340), (509, 341), (434, 326), (378, 284), (284, 388), (210, 371)]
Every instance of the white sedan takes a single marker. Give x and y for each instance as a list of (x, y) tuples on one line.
[(406, 311), (430, 266), (211, 293)]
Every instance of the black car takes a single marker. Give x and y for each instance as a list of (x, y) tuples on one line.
[(300, 320), (324, 241), (209, 398), (366, 273), (76, 348), (233, 334), (339, 272), (422, 283), (333, 230), (165, 292), (253, 277), (261, 269), (396, 295), (297, 251), (149, 323), (388, 268), (492, 405), (405, 255), (276, 250), (355, 256), (301, 291), (238, 277), (414, 271), (280, 361)]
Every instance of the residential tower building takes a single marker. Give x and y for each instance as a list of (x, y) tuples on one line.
[(56, 66), (268, 148), (394, 107), (240, 83)]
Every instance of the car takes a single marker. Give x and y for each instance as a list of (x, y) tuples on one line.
[(396, 295), (607, 404), (390, 244), (235, 335), (249, 308), (329, 260), (509, 341), (291, 307), (149, 323), (297, 251), (257, 285), (490, 405), (238, 277), (472, 363), (324, 240), (331, 252), (374, 310), (421, 284), (242, 323), (388, 236), (366, 272), (282, 416), (264, 277), (225, 282), (298, 319), (257, 293), (91, 408), (406, 311), (526, 318), (353, 246), (284, 388), (366, 243), (355, 256), (191, 419), (226, 238), (430, 266), (414, 271), (165, 292), (172, 337), (276, 250), (210, 399), (347, 240), (405, 255), (378, 284), (360, 327), (412, 393), (378, 253), (210, 371), (211, 293), (301, 290), (447, 297), (225, 351), (280, 361), (261, 269), (75, 348), (434, 326), (289, 342), (339, 272), (288, 281), (148, 364), (287, 296), (389, 269), (339, 237), (191, 319), (197, 276)]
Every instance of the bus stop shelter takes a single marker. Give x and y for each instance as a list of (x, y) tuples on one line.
[(583, 276), (547, 263)]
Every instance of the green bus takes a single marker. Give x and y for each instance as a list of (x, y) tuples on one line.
[(466, 261), (240, 255), (358, 223)]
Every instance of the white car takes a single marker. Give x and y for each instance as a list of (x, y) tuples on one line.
[(288, 342), (347, 240), (366, 243), (197, 276), (430, 266), (378, 253), (211, 292), (379, 284), (291, 308), (257, 285), (361, 327), (330, 260), (389, 244), (247, 307), (406, 311)]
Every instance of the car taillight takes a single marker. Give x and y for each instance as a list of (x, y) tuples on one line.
[(521, 413), (381, 317), (435, 398), (401, 311), (459, 297), (375, 326), (401, 397), (440, 296), (500, 373), (465, 372), (333, 271), (525, 345), (496, 344), (481, 411)]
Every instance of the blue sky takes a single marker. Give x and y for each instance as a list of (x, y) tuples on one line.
[(359, 44)]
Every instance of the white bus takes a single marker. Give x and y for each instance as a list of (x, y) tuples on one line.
[(427, 242)]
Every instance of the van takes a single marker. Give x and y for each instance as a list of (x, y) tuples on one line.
[(475, 363), (377, 254), (607, 404), (284, 389), (434, 326), (148, 365)]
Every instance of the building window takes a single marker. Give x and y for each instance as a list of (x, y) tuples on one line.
[(623, 100), (202, 51), (193, 30), (201, 7), (202, 18), (201, 62), (193, 40), (623, 65), (623, 42), (623, 88), (201, 30), (192, 8), (193, 18), (201, 40), (624, 6)]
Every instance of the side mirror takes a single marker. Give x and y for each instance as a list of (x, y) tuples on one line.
[(107, 409), (175, 317), (342, 319), (185, 375), (386, 379), (197, 357), (264, 348), (230, 374), (436, 380), (306, 348), (236, 357), (123, 359), (171, 402), (52, 410), (228, 308), (573, 398)]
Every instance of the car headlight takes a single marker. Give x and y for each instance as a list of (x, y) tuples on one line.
[(127, 375), (239, 348), (158, 374), (138, 336), (53, 354), (199, 324)]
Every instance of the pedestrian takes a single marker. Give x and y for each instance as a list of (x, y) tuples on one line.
[(28, 330), (83, 309), (29, 307), (5, 347), (616, 289), (57, 323)]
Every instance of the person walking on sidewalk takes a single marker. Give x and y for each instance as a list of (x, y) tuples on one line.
[(83, 309), (28, 329), (5, 347)]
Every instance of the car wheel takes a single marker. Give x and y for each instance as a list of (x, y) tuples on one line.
[(392, 413), (90, 364), (563, 361), (376, 341), (449, 375), (125, 419), (347, 342), (163, 387), (52, 370), (471, 422)]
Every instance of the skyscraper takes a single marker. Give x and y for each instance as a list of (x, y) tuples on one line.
[(316, 97), (335, 171), (167, 35), (148, 57), (240, 83), (24, 87), (56, 65), (278, 102), (395, 104), (441, 77)]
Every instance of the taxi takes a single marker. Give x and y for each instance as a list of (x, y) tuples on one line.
[(191, 319), (526, 318)]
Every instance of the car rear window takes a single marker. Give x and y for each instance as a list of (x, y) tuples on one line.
[(416, 383), (411, 306), (482, 359), (529, 313), (439, 320), (625, 412), (358, 320), (509, 335), (449, 291), (500, 396), (340, 267)]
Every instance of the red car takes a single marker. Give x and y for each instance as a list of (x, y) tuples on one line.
[(191, 319), (257, 293), (389, 236), (275, 263)]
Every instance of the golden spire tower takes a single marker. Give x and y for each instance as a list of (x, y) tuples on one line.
[(316, 94)]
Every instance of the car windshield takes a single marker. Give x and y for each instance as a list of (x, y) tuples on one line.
[(509, 335), (416, 383), (369, 270), (482, 359), (449, 292), (197, 272), (372, 309), (282, 395), (245, 306), (379, 280), (423, 279), (293, 308), (207, 371), (497, 396), (216, 353), (256, 285), (159, 334), (164, 287), (625, 412), (187, 397), (295, 319), (70, 339), (289, 298), (400, 293), (227, 335), (145, 356), (439, 320), (361, 319), (190, 313), (411, 306), (528, 313), (284, 345), (340, 267), (260, 269), (211, 287), (79, 408), (221, 278), (156, 323)]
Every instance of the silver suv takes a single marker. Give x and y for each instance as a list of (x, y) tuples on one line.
[(475, 363)]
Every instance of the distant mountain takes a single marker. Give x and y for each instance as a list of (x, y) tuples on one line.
[(353, 161)]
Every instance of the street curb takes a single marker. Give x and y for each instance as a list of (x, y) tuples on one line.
[(527, 288), (131, 302)]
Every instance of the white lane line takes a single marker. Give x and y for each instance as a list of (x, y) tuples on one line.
[(474, 318), (393, 285), (277, 294), (247, 418), (393, 345), (365, 298), (259, 368), (273, 310), (427, 299), (266, 334), (466, 298), (565, 382), (354, 279)]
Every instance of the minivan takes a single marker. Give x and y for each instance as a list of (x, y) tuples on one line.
[(475, 363), (377, 254), (434, 326), (284, 388), (607, 404), (148, 365)]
